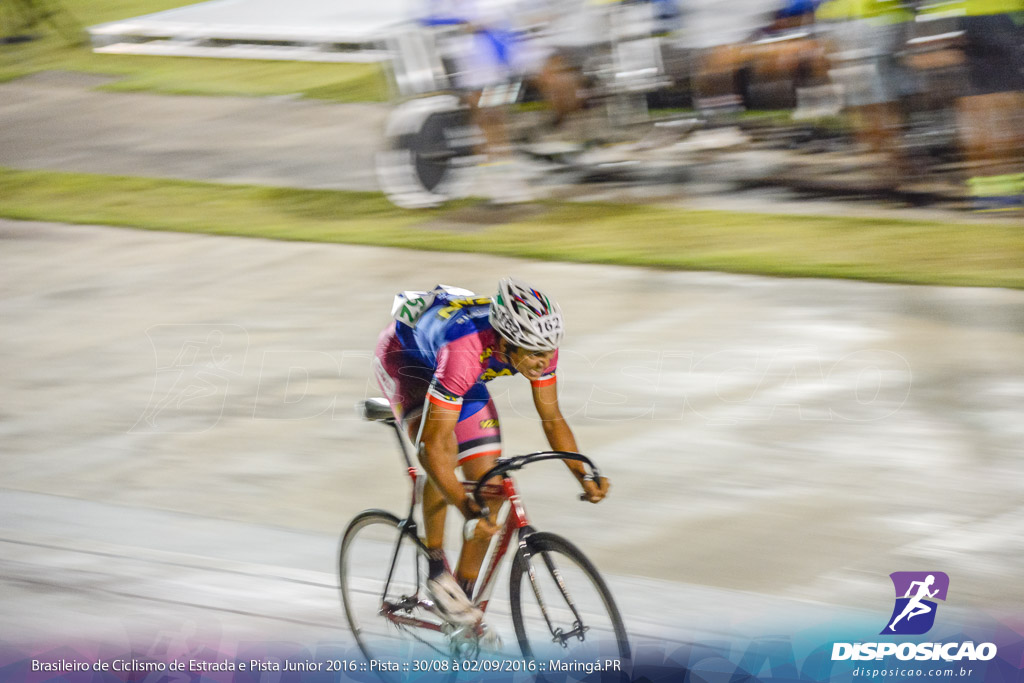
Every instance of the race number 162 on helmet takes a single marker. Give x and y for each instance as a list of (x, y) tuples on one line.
[(526, 317)]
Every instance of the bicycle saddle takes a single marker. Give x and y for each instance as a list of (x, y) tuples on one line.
[(375, 410)]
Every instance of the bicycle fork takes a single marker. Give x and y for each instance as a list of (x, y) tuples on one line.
[(558, 635)]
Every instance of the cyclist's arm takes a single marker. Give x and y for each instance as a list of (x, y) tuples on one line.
[(556, 429), (437, 453), (561, 438)]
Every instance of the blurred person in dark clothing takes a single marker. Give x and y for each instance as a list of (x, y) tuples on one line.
[(990, 117)]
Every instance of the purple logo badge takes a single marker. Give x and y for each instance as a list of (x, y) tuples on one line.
[(914, 612)]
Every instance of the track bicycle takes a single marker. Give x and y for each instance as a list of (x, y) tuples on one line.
[(560, 606)]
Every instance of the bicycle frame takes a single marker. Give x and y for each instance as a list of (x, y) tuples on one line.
[(513, 526), (515, 520)]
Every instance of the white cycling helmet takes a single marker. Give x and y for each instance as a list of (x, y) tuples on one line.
[(526, 317)]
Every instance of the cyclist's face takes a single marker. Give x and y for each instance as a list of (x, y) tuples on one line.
[(531, 364)]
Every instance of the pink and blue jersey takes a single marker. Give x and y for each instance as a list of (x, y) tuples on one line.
[(454, 338), (445, 354)]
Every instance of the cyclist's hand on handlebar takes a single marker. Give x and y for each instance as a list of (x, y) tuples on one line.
[(478, 525), (594, 490)]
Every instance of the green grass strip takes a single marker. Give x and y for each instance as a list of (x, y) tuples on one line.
[(921, 252)]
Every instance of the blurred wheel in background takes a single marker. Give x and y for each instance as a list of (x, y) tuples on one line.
[(428, 142)]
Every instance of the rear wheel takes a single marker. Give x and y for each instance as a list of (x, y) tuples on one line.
[(382, 569), (561, 607)]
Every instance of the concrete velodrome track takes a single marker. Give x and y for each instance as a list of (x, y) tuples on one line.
[(180, 450)]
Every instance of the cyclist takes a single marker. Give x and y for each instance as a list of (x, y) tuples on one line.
[(433, 363), (490, 54)]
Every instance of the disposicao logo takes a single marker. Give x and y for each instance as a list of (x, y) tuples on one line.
[(913, 615), (916, 592)]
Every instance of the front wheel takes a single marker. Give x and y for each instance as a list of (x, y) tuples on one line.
[(561, 607)]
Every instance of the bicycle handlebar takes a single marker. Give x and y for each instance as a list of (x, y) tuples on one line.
[(518, 462)]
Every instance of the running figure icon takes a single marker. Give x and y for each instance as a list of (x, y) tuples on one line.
[(915, 607), (916, 593)]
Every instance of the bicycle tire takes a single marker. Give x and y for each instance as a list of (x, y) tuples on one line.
[(364, 560), (425, 138), (605, 637)]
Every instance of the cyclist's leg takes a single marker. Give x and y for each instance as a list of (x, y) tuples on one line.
[(435, 505), (488, 103), (405, 383), (479, 68), (479, 437), (561, 85)]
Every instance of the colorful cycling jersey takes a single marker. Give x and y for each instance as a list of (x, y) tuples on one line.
[(453, 336)]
